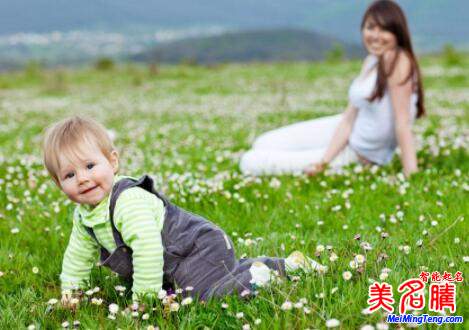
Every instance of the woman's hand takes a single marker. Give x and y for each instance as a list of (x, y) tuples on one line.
[(315, 168)]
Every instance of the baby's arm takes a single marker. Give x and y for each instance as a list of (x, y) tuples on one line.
[(78, 259), (139, 217)]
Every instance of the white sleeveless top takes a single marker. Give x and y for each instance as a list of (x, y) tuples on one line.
[(373, 135)]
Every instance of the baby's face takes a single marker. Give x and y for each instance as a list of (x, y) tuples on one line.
[(87, 178)]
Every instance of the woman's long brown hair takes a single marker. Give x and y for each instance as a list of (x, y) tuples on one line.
[(390, 17)]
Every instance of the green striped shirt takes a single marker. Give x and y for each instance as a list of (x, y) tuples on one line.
[(139, 217)]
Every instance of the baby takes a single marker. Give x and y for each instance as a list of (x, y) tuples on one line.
[(140, 234)]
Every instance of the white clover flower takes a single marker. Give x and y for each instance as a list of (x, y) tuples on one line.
[(189, 288), (52, 301), (224, 305), (35, 270), (383, 276), (239, 315), (1, 273), (96, 301), (257, 321), (360, 259), (15, 230), (152, 327), (382, 326), (65, 324), (161, 294), (174, 307), (31, 327), (298, 305), (333, 257), (386, 270), (457, 240), (134, 314), (286, 306), (76, 323), (89, 292), (275, 183), (353, 264), (96, 289), (332, 323), (347, 275), (113, 308), (320, 248), (246, 326), (366, 311), (119, 288), (186, 301), (367, 327), (366, 246), (334, 290)]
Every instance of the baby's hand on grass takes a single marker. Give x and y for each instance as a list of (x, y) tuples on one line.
[(65, 300), (69, 300)]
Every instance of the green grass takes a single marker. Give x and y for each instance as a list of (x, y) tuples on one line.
[(187, 126)]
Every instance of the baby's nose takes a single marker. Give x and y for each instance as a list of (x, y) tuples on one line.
[(82, 177)]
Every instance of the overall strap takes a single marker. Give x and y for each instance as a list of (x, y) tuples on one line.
[(145, 182), (92, 234)]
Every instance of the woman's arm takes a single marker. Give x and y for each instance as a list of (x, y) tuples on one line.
[(401, 93), (338, 142), (341, 134)]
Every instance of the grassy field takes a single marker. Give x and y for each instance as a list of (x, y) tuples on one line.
[(187, 126)]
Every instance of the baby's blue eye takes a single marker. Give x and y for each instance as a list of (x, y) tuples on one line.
[(69, 175), (90, 166)]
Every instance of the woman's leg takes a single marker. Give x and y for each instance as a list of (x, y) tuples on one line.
[(311, 134), (273, 162), (288, 150)]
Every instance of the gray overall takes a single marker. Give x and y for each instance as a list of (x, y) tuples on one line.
[(197, 253)]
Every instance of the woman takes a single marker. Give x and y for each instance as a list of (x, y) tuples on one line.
[(383, 102)]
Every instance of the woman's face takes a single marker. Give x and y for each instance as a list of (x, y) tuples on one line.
[(376, 40)]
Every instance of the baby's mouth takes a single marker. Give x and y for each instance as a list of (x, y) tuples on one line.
[(88, 190)]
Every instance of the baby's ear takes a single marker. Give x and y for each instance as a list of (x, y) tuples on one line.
[(114, 160)]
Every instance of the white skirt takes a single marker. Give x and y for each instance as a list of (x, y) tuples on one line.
[(289, 149)]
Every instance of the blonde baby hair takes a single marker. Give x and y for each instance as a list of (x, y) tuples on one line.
[(68, 136)]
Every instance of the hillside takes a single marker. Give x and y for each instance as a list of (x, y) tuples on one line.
[(258, 45)]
